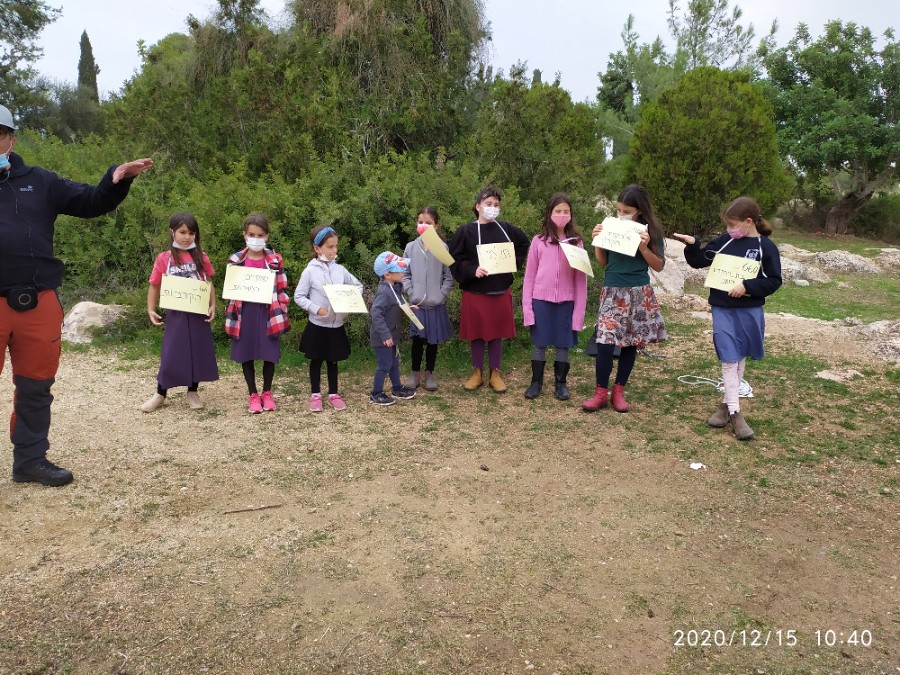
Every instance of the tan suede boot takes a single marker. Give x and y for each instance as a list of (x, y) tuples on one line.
[(496, 382), (476, 379), (742, 430), (719, 419)]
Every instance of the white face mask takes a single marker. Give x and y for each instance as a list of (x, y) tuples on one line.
[(256, 243), (490, 212), (175, 244), (326, 260)]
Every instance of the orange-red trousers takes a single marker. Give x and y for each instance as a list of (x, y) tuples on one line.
[(34, 341)]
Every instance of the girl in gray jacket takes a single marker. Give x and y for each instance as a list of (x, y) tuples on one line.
[(427, 282), (324, 339)]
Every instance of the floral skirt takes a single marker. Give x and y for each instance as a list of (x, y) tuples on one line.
[(629, 316)]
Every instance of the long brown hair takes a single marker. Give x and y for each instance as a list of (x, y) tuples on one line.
[(746, 207), (549, 231), (177, 220), (637, 197)]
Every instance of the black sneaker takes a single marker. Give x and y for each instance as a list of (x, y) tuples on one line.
[(44, 472), (381, 399), (404, 393)]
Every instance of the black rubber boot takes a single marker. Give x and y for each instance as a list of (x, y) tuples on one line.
[(560, 371), (537, 379)]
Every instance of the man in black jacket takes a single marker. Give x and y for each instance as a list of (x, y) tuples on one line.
[(30, 312)]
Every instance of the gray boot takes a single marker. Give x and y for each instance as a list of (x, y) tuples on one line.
[(719, 418), (742, 430), (430, 381), (412, 382)]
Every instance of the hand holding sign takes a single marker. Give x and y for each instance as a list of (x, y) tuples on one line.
[(345, 299), (185, 295), (727, 271), (621, 236), (250, 284), (497, 258)]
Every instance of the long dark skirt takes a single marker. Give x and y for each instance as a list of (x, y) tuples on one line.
[(254, 344), (486, 317), (188, 353)]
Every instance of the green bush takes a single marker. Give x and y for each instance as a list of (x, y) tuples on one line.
[(879, 218)]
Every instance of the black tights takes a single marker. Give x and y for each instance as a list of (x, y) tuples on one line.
[(315, 376), (250, 375), (605, 362), (419, 346), (162, 392)]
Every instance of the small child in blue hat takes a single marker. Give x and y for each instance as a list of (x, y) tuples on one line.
[(385, 328)]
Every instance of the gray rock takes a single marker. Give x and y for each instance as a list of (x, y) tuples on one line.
[(801, 282), (85, 317), (844, 261)]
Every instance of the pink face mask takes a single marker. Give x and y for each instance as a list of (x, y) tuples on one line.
[(735, 232), (560, 219), (421, 227)]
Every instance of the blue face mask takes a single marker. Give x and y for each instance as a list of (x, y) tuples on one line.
[(4, 158)]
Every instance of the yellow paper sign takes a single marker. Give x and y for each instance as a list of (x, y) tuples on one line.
[(412, 316), (433, 243), (345, 299), (185, 295), (497, 258), (727, 271), (618, 235), (578, 258), (250, 284)]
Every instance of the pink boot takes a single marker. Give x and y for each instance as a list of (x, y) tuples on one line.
[(618, 399), (597, 401)]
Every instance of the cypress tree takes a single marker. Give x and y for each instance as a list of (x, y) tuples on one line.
[(88, 69)]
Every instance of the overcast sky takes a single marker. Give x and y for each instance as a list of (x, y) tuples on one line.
[(571, 37)]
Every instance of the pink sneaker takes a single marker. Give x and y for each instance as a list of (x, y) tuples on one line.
[(336, 402), (255, 404), (315, 403), (268, 403)]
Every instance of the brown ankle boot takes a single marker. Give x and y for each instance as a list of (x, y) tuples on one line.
[(719, 419), (597, 401), (496, 382), (476, 379), (618, 398), (742, 430)]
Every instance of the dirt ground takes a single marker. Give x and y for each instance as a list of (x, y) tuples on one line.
[(453, 533)]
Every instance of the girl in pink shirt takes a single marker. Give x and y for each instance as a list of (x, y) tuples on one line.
[(188, 355), (554, 295)]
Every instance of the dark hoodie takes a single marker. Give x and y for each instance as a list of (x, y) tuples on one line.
[(30, 200)]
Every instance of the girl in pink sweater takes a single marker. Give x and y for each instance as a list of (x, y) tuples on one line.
[(554, 295)]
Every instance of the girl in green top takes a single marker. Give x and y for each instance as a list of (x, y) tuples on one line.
[(629, 315)]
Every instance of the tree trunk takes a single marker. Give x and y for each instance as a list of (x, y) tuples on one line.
[(842, 212)]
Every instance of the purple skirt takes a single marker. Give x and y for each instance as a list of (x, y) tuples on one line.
[(437, 324), (188, 353), (254, 344)]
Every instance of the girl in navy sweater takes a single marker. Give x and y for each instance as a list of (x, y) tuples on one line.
[(738, 320)]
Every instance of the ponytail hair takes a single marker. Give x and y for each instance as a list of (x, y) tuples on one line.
[(746, 207)]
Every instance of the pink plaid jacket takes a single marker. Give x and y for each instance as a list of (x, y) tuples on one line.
[(278, 324)]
